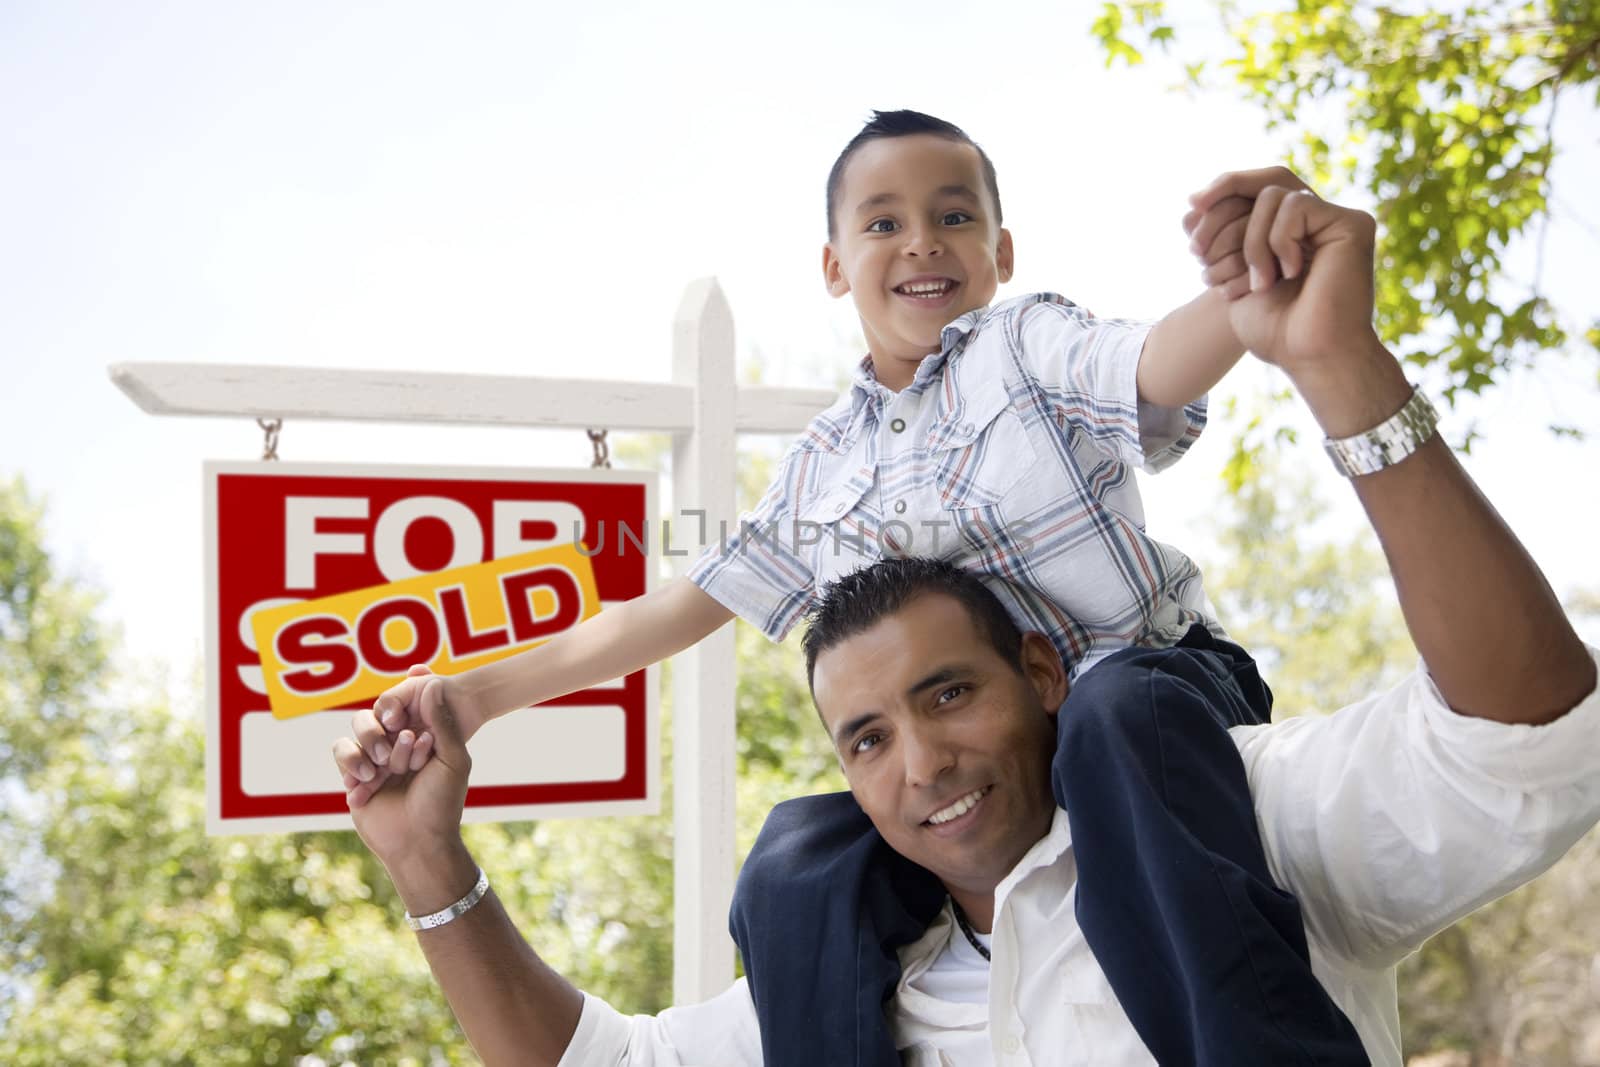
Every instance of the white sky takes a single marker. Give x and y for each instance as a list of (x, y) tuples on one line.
[(524, 189)]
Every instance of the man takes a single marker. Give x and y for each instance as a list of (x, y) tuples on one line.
[(1388, 820)]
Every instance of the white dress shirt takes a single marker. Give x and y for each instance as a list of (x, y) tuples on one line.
[(1389, 820)]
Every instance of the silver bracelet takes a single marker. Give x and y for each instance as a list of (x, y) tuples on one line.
[(454, 911), (1387, 443)]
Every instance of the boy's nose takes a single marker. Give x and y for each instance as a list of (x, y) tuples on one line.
[(922, 242)]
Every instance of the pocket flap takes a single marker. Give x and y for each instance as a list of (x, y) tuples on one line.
[(965, 421)]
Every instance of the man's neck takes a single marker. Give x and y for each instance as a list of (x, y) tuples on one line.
[(979, 908)]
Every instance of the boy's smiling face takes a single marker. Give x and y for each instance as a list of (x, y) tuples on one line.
[(915, 244)]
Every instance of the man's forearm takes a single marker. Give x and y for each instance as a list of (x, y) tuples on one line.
[(511, 1005), (1484, 619), (1188, 352)]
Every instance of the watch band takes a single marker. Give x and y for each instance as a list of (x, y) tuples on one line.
[(1387, 443), (454, 911)]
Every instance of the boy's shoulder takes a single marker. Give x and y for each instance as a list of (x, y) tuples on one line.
[(1013, 311), (1043, 321), (998, 330)]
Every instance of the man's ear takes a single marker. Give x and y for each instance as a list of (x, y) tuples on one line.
[(833, 272), (1042, 666), (1004, 255)]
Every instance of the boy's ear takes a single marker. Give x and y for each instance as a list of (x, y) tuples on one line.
[(1003, 255), (833, 272)]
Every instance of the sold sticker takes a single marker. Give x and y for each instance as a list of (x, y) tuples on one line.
[(325, 653)]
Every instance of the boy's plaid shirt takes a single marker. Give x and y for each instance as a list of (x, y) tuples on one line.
[(1011, 453)]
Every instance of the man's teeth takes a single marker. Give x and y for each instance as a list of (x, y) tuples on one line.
[(926, 288), (959, 808)]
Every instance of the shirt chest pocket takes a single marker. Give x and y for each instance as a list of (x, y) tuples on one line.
[(980, 451), (838, 528)]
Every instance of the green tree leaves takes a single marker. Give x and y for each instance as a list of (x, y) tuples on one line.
[(1445, 119)]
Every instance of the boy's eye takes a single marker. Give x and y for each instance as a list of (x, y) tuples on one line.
[(881, 226), (955, 218)]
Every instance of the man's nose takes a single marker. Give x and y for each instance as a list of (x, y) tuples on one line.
[(927, 755)]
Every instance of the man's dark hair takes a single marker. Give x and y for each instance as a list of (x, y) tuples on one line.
[(904, 124), (856, 602)]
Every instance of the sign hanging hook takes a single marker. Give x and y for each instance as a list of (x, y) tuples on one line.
[(602, 451), (269, 444)]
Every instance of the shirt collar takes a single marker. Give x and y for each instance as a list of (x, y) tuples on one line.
[(952, 340), (1045, 851)]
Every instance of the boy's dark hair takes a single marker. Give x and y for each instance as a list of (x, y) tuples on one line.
[(856, 602), (904, 124)]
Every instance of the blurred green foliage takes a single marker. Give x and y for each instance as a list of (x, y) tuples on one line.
[(127, 936), (1444, 116)]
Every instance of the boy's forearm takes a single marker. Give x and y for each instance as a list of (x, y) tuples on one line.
[(1188, 352), (616, 642)]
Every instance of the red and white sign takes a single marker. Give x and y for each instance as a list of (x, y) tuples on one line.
[(325, 581)]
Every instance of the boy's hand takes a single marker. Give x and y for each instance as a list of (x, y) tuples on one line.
[(1227, 236), (1216, 237), (1309, 263), (393, 736)]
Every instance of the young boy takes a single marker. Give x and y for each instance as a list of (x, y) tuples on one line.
[(1002, 438)]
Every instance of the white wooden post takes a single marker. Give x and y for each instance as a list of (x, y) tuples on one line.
[(703, 675), (704, 409)]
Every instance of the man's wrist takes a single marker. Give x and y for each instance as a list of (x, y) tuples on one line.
[(432, 877), (1352, 389)]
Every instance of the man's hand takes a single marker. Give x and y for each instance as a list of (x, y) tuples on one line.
[(1306, 292), (397, 810)]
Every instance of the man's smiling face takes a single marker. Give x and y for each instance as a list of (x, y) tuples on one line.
[(916, 244), (945, 744)]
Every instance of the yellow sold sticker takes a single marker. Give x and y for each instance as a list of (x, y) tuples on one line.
[(324, 653)]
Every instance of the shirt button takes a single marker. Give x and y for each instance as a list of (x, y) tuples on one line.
[(898, 425), (1011, 1045), (899, 507), (967, 428), (838, 509)]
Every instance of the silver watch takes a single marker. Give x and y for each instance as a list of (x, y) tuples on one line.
[(1387, 443)]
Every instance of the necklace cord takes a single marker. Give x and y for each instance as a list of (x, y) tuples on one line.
[(966, 928)]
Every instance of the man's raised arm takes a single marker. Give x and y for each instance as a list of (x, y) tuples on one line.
[(511, 1005), (1487, 624)]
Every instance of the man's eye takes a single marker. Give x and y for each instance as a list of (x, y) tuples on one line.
[(881, 226), (866, 742), (950, 694), (956, 218)]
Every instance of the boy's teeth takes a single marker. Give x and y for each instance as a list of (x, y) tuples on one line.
[(959, 808), (925, 288)]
